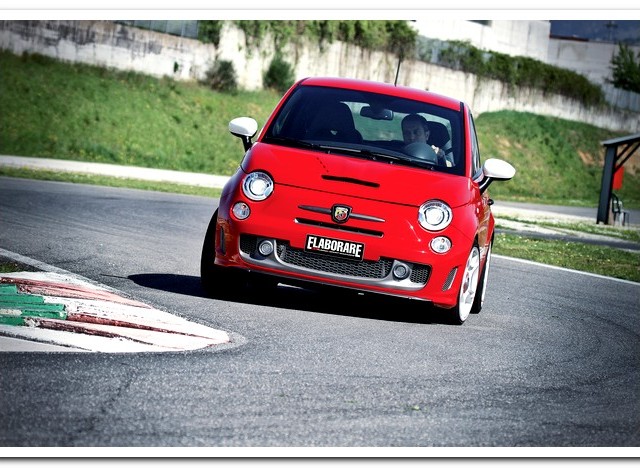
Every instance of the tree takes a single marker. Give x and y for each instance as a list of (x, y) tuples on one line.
[(626, 69)]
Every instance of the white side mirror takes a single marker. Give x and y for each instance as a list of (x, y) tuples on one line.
[(496, 169), (244, 128)]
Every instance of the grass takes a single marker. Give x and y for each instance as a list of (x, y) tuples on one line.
[(80, 112), (7, 266), (557, 161), (606, 261)]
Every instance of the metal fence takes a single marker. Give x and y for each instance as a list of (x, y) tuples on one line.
[(183, 28), (621, 99)]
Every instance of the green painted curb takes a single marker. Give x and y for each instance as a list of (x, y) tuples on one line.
[(15, 307), (20, 299), (8, 289), (11, 320)]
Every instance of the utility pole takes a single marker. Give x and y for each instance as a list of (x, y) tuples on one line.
[(611, 26)]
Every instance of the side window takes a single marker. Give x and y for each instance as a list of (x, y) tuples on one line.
[(475, 149)]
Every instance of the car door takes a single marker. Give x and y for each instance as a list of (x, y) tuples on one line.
[(483, 207)]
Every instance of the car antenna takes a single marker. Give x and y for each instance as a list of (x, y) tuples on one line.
[(395, 83)]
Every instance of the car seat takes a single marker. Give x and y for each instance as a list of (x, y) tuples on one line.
[(334, 122), (439, 136)]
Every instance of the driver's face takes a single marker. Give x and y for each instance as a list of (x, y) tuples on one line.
[(413, 131)]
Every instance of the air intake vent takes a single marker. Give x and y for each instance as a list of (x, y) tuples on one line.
[(449, 281)]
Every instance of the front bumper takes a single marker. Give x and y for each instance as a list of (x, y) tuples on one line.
[(393, 239)]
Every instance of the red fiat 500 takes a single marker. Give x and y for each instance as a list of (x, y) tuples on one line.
[(362, 185)]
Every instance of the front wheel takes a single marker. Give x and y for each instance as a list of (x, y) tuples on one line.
[(482, 286), (216, 280), (468, 288)]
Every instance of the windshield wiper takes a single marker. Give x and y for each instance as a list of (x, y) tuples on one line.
[(290, 142), (403, 159), (373, 155), (361, 152)]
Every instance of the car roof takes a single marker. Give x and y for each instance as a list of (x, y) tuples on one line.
[(383, 88)]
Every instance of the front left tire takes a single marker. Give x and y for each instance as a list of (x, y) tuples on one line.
[(468, 288), (217, 281), (482, 286)]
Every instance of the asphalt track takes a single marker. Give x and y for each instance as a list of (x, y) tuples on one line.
[(550, 362)]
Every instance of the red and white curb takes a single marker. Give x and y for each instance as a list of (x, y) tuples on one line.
[(96, 319)]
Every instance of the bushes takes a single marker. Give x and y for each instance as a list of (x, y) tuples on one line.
[(222, 77), (209, 32), (518, 71), (279, 75), (392, 36)]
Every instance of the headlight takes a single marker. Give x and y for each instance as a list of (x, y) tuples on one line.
[(257, 186), (434, 215)]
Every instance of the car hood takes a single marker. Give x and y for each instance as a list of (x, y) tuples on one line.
[(355, 176)]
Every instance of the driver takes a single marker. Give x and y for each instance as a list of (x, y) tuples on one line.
[(416, 129)]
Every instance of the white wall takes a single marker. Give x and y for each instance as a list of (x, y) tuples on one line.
[(108, 44), (591, 59), (525, 38), (529, 39)]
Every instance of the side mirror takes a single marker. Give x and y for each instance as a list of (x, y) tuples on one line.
[(245, 128), (495, 169)]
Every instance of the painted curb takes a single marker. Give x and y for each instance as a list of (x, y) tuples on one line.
[(55, 309)]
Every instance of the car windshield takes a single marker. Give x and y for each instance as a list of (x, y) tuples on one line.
[(376, 126)]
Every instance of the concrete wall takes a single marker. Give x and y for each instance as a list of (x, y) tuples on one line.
[(107, 44), (525, 38), (528, 39), (591, 59)]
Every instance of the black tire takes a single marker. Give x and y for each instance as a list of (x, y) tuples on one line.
[(216, 281), (478, 302), (467, 295)]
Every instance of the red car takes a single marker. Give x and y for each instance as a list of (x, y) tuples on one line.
[(362, 185)]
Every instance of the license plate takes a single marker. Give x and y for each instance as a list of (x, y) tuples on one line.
[(342, 248)]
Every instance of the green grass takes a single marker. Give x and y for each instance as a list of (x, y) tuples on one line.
[(73, 111), (557, 161), (605, 261), (80, 112), (9, 267)]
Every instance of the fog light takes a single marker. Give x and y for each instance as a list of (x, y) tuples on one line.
[(241, 210), (265, 248), (401, 271), (440, 244)]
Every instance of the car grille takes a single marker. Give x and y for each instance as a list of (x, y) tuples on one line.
[(334, 265)]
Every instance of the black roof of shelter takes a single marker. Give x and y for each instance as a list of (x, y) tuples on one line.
[(621, 140), (614, 159)]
